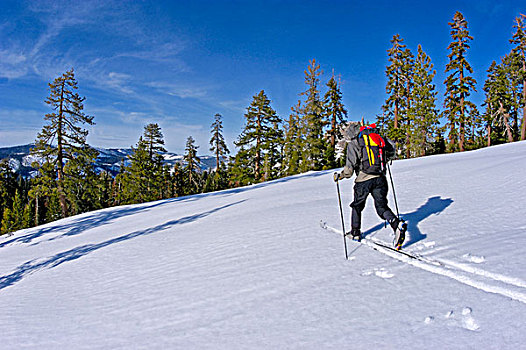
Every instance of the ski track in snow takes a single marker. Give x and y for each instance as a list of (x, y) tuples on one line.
[(509, 287)]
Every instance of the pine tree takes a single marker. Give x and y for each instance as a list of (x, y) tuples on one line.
[(178, 180), (294, 143), (499, 98), (142, 181), (80, 182), (18, 212), (217, 179), (489, 116), (458, 109), (241, 167), (27, 216), (395, 88), (43, 189), (138, 181), (519, 40), (63, 128), (118, 185), (7, 187), (154, 140), (408, 85), (424, 117), (192, 166), (259, 136), (337, 114), (313, 116), (8, 222), (103, 191), (137, 184), (274, 151), (217, 141), (12, 219)]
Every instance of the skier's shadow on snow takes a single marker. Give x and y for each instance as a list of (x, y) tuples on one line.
[(35, 265), (433, 206)]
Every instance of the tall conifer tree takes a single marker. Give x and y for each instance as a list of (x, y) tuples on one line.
[(261, 130), (217, 142), (459, 110), (142, 181), (64, 127), (408, 76), (499, 98), (81, 182), (423, 113), (313, 115), (336, 115), (519, 40), (192, 165), (293, 143), (154, 139), (395, 88)]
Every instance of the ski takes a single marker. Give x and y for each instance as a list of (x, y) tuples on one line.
[(394, 249), (379, 245)]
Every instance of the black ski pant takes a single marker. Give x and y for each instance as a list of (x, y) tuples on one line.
[(378, 188)]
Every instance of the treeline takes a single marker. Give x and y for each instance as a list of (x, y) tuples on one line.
[(270, 147), (412, 118)]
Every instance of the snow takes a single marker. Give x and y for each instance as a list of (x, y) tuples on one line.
[(250, 268)]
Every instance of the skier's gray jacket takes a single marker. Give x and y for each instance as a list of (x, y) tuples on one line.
[(353, 162)]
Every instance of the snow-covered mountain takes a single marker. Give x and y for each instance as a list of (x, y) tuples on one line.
[(109, 159), (251, 268)]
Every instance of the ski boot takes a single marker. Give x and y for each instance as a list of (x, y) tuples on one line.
[(399, 227), (355, 234)]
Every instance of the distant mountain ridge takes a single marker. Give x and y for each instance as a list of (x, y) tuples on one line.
[(109, 159)]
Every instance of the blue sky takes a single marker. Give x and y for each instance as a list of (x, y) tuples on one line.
[(178, 63)]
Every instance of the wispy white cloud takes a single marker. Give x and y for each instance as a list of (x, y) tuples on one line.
[(38, 50), (179, 90), (12, 64), (238, 106), (119, 81), (48, 50), (130, 65), (167, 52)]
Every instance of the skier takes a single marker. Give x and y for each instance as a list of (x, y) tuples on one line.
[(366, 156)]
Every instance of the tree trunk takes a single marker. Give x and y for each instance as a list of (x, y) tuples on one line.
[(508, 128), (506, 117), (60, 155), (461, 129), (36, 211), (333, 139), (407, 140), (258, 152), (461, 137), (489, 135), (423, 144), (396, 114)]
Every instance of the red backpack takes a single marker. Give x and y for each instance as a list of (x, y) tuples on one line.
[(372, 147)]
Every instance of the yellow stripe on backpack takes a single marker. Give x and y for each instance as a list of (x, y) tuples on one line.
[(369, 142)]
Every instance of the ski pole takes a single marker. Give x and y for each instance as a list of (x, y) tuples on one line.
[(394, 192), (343, 222)]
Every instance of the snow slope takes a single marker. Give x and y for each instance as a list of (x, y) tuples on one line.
[(250, 268)]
